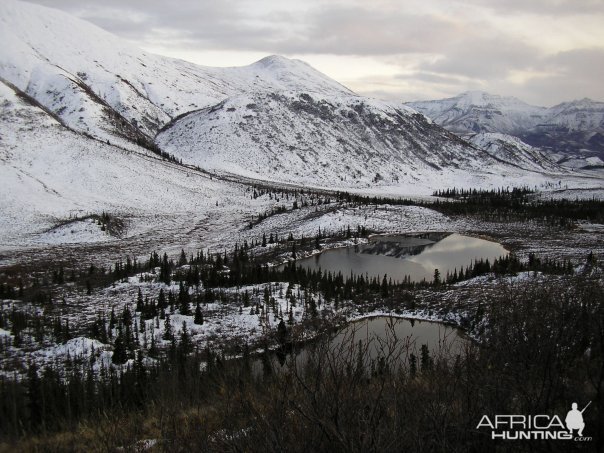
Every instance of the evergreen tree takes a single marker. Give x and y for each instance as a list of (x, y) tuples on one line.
[(412, 365), (436, 277), (198, 315), (34, 393), (120, 354), (183, 258), (165, 270), (185, 345), (282, 333), (426, 360), (183, 300), (161, 299), (385, 286), (139, 301), (168, 335)]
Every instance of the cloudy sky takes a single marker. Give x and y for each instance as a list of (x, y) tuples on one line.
[(542, 51)]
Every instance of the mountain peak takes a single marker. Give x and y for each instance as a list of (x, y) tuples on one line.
[(482, 98), (579, 103), (476, 94), (295, 75), (275, 60)]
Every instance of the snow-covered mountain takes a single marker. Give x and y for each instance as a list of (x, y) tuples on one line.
[(315, 139), (477, 111), (98, 84), (53, 179), (276, 119), (84, 116), (573, 128), (512, 149)]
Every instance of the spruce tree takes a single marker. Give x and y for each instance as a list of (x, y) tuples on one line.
[(436, 277), (282, 333), (168, 335), (183, 258), (186, 345), (139, 301), (183, 299), (161, 299), (120, 355), (198, 315)]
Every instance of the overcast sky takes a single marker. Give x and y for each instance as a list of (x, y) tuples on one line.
[(542, 51)]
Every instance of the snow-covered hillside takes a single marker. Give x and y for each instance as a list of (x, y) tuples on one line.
[(81, 72), (81, 111), (49, 175), (328, 141), (574, 128), (277, 119), (512, 149)]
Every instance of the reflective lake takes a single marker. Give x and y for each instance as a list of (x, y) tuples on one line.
[(409, 333), (393, 341), (397, 256)]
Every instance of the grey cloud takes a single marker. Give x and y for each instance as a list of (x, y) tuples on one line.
[(543, 7), (573, 74), (367, 31), (563, 76), (469, 54), (190, 23), (482, 57), (441, 79), (340, 29)]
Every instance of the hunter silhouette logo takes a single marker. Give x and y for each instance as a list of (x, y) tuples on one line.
[(541, 426), (574, 419)]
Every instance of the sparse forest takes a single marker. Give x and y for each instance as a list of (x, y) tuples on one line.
[(534, 346), (542, 348)]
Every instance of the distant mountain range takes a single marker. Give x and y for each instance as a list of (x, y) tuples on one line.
[(568, 131)]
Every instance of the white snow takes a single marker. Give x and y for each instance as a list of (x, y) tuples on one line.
[(277, 120), (493, 113), (86, 230), (514, 151), (79, 347)]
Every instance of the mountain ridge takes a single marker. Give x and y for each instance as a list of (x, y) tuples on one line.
[(84, 119), (574, 128)]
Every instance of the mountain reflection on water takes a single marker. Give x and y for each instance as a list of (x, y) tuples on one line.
[(399, 256)]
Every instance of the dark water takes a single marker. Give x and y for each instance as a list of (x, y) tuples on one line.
[(410, 333), (392, 340), (415, 256)]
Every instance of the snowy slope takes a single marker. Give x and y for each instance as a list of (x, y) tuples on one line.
[(341, 141), (579, 115), (512, 149), (574, 128), (97, 85), (49, 174), (80, 71), (76, 104)]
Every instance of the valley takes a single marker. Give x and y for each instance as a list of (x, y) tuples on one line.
[(173, 235)]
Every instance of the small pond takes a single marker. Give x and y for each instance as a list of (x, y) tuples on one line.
[(399, 256), (391, 339)]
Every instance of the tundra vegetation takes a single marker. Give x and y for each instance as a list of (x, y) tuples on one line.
[(537, 346)]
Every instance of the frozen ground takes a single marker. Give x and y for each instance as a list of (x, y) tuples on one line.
[(227, 324)]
